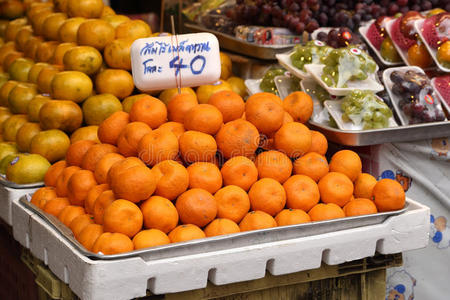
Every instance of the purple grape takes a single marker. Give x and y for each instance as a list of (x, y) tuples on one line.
[(294, 7), (402, 2), (418, 108), (404, 9), (426, 5), (300, 28), (311, 26), (323, 19), (322, 36), (407, 109), (393, 9)]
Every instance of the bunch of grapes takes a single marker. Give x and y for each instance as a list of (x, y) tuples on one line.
[(363, 107), (309, 54), (268, 81), (308, 15), (340, 37)]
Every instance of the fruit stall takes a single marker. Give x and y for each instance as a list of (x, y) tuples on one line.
[(243, 149)]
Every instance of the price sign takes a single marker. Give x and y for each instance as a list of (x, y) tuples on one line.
[(175, 61)]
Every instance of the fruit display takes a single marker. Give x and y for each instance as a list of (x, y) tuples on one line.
[(311, 53), (345, 64), (166, 174), (364, 107), (416, 98)]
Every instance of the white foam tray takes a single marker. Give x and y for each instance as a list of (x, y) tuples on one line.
[(8, 194), (131, 277), (284, 59)]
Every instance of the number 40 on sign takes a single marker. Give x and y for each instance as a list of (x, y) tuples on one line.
[(175, 61)]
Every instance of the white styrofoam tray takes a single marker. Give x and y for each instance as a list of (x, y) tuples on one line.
[(252, 86), (131, 277), (403, 54), (284, 59), (7, 194), (418, 25), (443, 101)]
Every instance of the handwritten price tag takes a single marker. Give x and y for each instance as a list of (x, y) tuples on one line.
[(175, 61)]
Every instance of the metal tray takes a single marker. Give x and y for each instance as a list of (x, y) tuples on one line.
[(407, 133), (13, 185), (224, 242), (231, 43)]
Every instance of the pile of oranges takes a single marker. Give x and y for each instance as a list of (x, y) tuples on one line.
[(189, 170)]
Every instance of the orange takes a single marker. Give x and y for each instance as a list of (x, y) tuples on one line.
[(117, 54), (124, 217), (54, 172), (76, 151), (43, 195), (301, 192), (150, 238), (51, 25), (388, 195), (104, 164), (204, 118), (239, 171), (293, 139), (133, 29), (346, 162), (25, 134), (291, 217), (34, 72), (60, 51), (101, 203), (129, 138), (107, 11), (174, 127), (179, 105), (287, 118), (51, 144), (229, 104), (114, 81), (45, 51), (418, 56), (205, 175), (335, 188), (299, 105), (5, 90), (22, 37), (128, 102), (221, 227), (112, 243), (196, 206), (232, 203), (71, 85), (94, 154), (273, 164), (99, 107), (79, 223), (238, 138), (67, 33), (85, 8), (255, 220), (149, 110), (89, 235), (55, 206), (69, 213), (159, 213), (265, 113), (267, 195), (197, 146), (321, 212), (364, 185), (115, 20), (167, 95), (183, 233), (134, 184), (60, 5), (85, 133), (60, 114), (359, 206), (311, 164), (85, 59), (110, 129), (96, 33), (119, 166), (172, 179), (79, 185), (63, 179), (31, 46), (319, 143), (45, 78), (10, 58), (92, 195)]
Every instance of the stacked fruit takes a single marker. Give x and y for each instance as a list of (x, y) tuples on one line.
[(189, 170)]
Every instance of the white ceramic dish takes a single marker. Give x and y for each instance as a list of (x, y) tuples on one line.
[(284, 59), (369, 84), (363, 31), (419, 28), (334, 109)]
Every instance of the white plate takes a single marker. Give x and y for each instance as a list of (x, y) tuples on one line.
[(334, 109), (369, 84), (253, 86), (363, 31), (394, 98), (419, 28), (443, 102), (284, 59), (403, 54)]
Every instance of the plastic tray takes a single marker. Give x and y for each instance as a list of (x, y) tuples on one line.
[(252, 86), (217, 243), (443, 102), (403, 54), (370, 84), (363, 31), (13, 185), (284, 59), (234, 44), (418, 25)]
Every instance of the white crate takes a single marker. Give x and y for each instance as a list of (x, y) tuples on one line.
[(130, 277), (8, 194)]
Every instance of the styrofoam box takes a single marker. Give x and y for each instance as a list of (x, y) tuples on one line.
[(131, 277), (8, 194)]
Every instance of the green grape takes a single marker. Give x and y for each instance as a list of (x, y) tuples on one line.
[(308, 54), (267, 83), (367, 116)]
